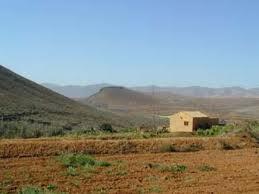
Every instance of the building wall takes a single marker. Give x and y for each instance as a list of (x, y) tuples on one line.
[(177, 123)]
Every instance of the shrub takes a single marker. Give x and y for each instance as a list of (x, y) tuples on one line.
[(106, 127)]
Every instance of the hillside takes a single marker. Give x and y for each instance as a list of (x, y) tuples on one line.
[(120, 98), (25, 104)]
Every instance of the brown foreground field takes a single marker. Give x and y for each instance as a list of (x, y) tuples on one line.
[(176, 165)]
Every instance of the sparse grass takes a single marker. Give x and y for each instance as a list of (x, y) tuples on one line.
[(37, 190), (84, 162), (120, 169), (175, 168), (155, 189), (71, 171), (51, 187), (206, 168)]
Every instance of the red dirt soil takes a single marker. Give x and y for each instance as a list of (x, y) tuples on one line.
[(236, 171)]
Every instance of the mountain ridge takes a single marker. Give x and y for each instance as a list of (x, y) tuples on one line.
[(191, 91)]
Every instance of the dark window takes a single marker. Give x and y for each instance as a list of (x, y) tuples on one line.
[(186, 123)]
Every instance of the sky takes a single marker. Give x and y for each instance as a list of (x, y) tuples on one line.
[(213, 43)]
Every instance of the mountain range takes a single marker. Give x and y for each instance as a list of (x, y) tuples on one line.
[(192, 91)]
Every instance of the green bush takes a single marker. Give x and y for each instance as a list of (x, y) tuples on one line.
[(106, 127), (215, 130)]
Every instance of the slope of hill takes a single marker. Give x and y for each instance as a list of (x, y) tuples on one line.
[(73, 91), (35, 106)]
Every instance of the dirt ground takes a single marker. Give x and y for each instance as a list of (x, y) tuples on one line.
[(233, 171)]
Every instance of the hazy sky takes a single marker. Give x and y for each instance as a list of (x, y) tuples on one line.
[(132, 42)]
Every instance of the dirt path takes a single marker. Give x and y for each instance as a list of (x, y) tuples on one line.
[(235, 171)]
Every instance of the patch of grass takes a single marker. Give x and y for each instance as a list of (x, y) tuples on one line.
[(175, 168), (100, 190), (206, 168), (85, 162), (71, 171), (76, 160), (155, 189), (120, 169), (37, 190), (52, 187), (104, 164), (31, 190)]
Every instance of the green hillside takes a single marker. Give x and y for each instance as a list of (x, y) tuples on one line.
[(26, 106)]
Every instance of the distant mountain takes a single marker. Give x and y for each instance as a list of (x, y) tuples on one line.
[(124, 100), (73, 91), (35, 106), (204, 92), (192, 91), (120, 98)]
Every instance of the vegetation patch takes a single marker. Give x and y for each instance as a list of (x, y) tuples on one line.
[(120, 169), (36, 190), (215, 130), (175, 168), (206, 168), (84, 162)]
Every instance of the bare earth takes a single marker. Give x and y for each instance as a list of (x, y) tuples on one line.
[(236, 171)]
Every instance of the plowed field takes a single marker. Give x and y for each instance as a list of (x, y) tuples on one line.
[(207, 171)]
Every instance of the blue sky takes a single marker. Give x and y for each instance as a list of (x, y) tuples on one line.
[(211, 43)]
